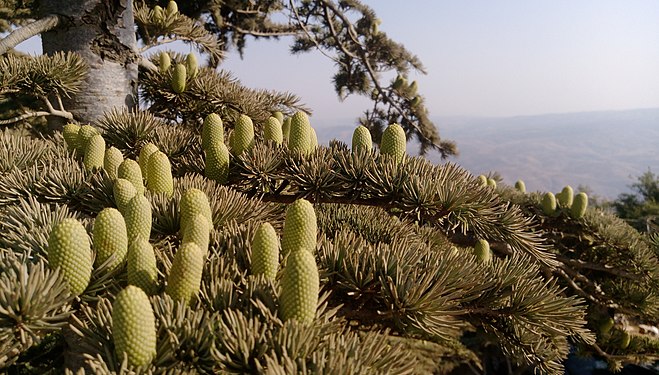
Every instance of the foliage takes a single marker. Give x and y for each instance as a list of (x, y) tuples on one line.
[(641, 208), (401, 288)]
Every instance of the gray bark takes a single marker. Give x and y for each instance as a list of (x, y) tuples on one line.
[(102, 32)]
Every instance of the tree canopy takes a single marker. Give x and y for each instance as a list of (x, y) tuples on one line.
[(207, 231)]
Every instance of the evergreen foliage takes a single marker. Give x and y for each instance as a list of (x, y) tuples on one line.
[(389, 264)]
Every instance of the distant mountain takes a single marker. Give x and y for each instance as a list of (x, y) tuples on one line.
[(605, 151)]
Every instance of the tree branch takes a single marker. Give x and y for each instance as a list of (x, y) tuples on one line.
[(28, 31), (51, 112)]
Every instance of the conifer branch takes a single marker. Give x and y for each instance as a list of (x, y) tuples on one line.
[(28, 31)]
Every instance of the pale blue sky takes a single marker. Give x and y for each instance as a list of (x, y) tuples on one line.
[(492, 58)]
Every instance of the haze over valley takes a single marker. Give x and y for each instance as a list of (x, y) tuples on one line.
[(603, 150)]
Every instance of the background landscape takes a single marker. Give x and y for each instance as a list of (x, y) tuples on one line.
[(603, 150)]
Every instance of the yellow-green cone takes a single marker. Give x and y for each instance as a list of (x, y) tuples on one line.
[(212, 132), (286, 129), (185, 275), (242, 137), (483, 180), (141, 266), (193, 202), (159, 174), (124, 191), (94, 153), (279, 116), (134, 326), (85, 133), (158, 14), (492, 183), (579, 206), (191, 65), (566, 197), (172, 8), (300, 228), (217, 163), (130, 170), (549, 203), (300, 285), (299, 139), (178, 78), (111, 161), (70, 133), (361, 139), (198, 231), (165, 62), (70, 251), (110, 238), (265, 252), (146, 151), (313, 139), (138, 217), (272, 130), (482, 251), (520, 186), (393, 142)]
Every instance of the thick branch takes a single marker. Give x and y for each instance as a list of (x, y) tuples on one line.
[(28, 31)]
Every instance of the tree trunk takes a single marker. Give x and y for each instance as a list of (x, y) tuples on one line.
[(102, 32)]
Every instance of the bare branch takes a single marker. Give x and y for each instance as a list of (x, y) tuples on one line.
[(26, 32)]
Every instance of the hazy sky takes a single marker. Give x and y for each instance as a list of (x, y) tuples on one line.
[(492, 58)]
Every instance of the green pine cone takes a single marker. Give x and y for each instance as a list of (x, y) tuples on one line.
[(272, 130), (141, 267), (313, 139), (185, 275), (124, 191), (482, 251), (482, 179), (579, 205), (70, 133), (172, 8), (361, 139), (145, 152), (111, 161), (193, 202), (198, 231), (158, 15), (300, 228), (393, 142), (492, 183), (265, 252), (191, 65), (279, 116), (549, 203), (179, 77), (605, 325), (286, 129), (242, 137), (300, 285), (70, 251), (566, 197), (212, 132), (299, 137), (138, 217), (85, 133), (130, 170), (94, 153), (110, 238), (520, 186), (159, 174), (217, 163), (165, 61), (134, 326)]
